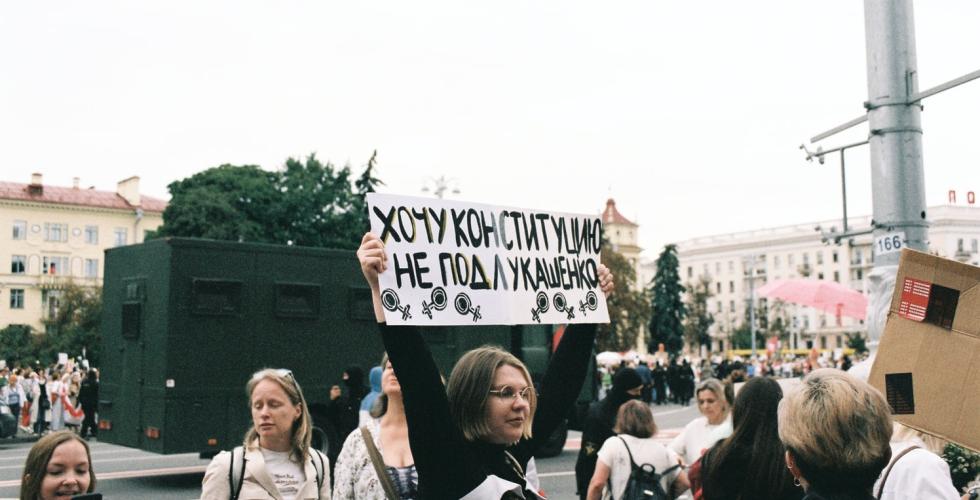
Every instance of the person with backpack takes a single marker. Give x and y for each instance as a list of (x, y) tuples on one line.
[(632, 465), (276, 460)]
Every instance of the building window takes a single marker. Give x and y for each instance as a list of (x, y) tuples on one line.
[(973, 245), (731, 306), (20, 230), (18, 264), (720, 307), (819, 276), (823, 342), (731, 287), (789, 260), (860, 274), (775, 262), (55, 232), (704, 270), (54, 265), (835, 257), (92, 235), (50, 302), (840, 341), (91, 268), (690, 272), (120, 234), (820, 258), (837, 276), (718, 287), (16, 298), (806, 258), (731, 263), (717, 267)]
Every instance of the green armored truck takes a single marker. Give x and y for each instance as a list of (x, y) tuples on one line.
[(187, 321)]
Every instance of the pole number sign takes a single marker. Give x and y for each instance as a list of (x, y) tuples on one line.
[(889, 243)]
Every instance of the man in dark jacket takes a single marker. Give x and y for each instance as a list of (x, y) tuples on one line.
[(599, 424), (88, 399)]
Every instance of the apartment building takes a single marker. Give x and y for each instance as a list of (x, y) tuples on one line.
[(736, 264), (52, 235)]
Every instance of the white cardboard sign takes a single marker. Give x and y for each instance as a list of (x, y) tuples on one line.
[(458, 263)]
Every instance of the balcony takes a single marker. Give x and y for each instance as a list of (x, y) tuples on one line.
[(60, 282)]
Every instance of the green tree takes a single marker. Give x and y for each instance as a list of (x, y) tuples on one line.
[(857, 342), (742, 335), (18, 343), (228, 202), (699, 319), (628, 308), (306, 202), (667, 307), (75, 328)]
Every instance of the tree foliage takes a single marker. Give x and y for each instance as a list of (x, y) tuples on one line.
[(699, 319), (76, 328), (628, 307), (306, 202), (667, 307)]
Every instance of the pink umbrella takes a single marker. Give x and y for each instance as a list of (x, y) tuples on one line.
[(827, 296)]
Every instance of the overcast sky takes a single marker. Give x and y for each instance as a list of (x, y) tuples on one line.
[(689, 114)]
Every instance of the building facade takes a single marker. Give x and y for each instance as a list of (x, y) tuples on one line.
[(736, 264), (52, 236)]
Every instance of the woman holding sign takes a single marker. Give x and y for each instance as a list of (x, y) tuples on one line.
[(473, 439)]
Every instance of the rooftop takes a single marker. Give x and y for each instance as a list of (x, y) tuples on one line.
[(75, 196)]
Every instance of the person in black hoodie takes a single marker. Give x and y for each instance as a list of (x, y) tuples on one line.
[(599, 423), (88, 398), (343, 411), (472, 438)]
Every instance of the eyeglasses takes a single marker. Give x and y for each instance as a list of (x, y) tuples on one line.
[(509, 393), (284, 373)]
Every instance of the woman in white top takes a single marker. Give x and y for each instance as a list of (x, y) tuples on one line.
[(355, 476), (635, 428), (703, 432), (278, 461)]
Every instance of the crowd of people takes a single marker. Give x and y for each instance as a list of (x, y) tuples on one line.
[(44, 399), (473, 436)]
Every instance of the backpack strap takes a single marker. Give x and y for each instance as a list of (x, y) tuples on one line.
[(881, 488), (628, 452), (236, 472), (319, 463)]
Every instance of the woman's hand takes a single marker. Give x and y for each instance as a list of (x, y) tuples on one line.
[(605, 280), (374, 261), (372, 257)]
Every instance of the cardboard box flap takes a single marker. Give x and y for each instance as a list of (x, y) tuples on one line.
[(928, 361), (939, 291)]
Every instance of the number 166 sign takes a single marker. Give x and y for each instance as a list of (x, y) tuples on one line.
[(889, 243)]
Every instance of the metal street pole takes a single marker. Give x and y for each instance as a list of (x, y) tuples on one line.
[(897, 180)]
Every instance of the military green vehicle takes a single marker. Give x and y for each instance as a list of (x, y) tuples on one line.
[(187, 321)]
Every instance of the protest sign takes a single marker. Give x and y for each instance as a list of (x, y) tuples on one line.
[(457, 263)]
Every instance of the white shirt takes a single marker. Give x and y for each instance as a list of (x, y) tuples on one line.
[(699, 435), (287, 475), (919, 475), (645, 451)]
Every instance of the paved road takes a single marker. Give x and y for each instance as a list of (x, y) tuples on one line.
[(126, 473)]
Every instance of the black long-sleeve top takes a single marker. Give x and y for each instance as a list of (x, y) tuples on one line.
[(448, 465)]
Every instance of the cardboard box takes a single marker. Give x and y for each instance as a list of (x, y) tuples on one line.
[(928, 361)]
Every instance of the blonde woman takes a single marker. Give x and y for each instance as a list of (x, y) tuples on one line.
[(278, 461), (836, 430)]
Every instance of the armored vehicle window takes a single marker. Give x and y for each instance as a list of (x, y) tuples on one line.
[(297, 300), (212, 297)]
